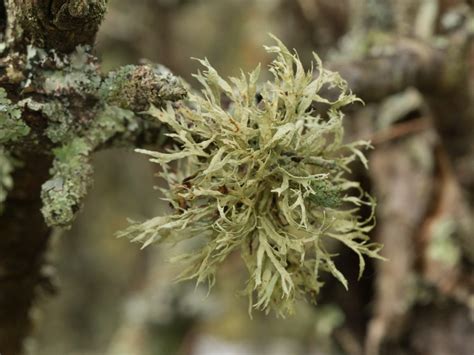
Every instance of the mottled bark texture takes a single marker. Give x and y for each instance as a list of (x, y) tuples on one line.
[(406, 63), (53, 82), (24, 236), (453, 108), (442, 74), (404, 183), (54, 24)]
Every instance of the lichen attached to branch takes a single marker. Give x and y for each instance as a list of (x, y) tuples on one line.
[(259, 172), (12, 127), (84, 112)]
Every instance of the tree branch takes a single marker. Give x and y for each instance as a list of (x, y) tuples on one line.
[(53, 24), (408, 63), (442, 75)]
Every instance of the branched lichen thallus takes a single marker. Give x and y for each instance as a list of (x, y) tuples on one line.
[(263, 175)]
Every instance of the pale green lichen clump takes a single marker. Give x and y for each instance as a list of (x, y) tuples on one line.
[(259, 172), (12, 127)]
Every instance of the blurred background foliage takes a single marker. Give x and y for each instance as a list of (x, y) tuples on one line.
[(116, 299)]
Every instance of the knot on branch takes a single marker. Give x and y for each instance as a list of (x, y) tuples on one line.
[(136, 87), (56, 24), (68, 15)]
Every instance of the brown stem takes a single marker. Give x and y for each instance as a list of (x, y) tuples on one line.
[(23, 242)]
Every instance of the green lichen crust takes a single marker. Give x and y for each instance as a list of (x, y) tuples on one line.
[(261, 173), (83, 112), (12, 129), (71, 174)]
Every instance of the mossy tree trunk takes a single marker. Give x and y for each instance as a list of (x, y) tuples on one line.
[(57, 109), (59, 25)]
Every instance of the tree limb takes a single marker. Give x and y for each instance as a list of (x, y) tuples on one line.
[(443, 75)]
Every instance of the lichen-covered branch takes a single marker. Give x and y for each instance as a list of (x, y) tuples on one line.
[(12, 128), (56, 109), (84, 112)]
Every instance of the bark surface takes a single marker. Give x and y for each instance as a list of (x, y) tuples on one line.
[(51, 24)]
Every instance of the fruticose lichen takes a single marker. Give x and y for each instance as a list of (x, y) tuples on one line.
[(256, 170)]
